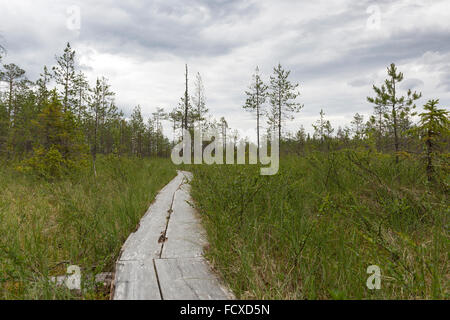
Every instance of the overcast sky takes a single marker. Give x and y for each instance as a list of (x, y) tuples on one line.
[(335, 50)]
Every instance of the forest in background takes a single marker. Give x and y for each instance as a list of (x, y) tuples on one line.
[(61, 122)]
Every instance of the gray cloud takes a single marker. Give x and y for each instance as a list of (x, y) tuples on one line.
[(141, 46), (412, 84), (360, 82)]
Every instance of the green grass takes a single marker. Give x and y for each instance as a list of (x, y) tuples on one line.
[(46, 226), (311, 231)]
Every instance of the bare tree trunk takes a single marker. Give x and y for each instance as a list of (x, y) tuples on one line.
[(429, 158), (396, 143), (257, 119), (94, 148), (186, 102), (279, 118), (394, 114), (10, 102)]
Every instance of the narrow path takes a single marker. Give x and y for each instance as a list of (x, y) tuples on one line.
[(164, 259)]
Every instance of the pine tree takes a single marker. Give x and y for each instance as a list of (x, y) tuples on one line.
[(138, 128), (256, 97), (186, 102), (12, 75), (26, 109), (323, 129), (401, 106), (64, 74), (42, 84), (81, 91), (358, 126), (319, 127), (100, 101), (176, 118), (224, 127), (199, 109), (158, 117), (433, 125), (282, 97), (2, 52)]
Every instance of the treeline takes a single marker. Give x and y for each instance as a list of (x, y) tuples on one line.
[(391, 128), (61, 121)]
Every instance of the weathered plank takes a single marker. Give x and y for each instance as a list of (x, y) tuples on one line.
[(143, 244), (136, 280), (188, 278), (185, 235), (135, 276), (174, 268)]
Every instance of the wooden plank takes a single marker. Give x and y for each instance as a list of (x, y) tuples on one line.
[(143, 271), (136, 280), (189, 278), (185, 234), (135, 276), (143, 244)]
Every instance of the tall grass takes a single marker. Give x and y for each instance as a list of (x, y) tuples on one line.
[(46, 226), (311, 231)]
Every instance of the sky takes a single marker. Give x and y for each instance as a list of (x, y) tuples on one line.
[(335, 50)]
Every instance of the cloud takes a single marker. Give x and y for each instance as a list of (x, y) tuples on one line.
[(142, 46), (360, 82), (411, 84)]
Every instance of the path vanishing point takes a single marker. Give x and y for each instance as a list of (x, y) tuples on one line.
[(163, 259)]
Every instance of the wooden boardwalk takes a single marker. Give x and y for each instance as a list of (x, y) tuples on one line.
[(164, 259)]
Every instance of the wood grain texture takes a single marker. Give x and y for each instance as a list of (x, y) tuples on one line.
[(188, 278)]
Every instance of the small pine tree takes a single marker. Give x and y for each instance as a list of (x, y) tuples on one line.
[(138, 128), (358, 126), (282, 96), (64, 74), (12, 76), (401, 107), (199, 109), (433, 126), (60, 144), (256, 97)]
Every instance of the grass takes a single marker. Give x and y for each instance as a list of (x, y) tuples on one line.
[(46, 226), (311, 231)]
